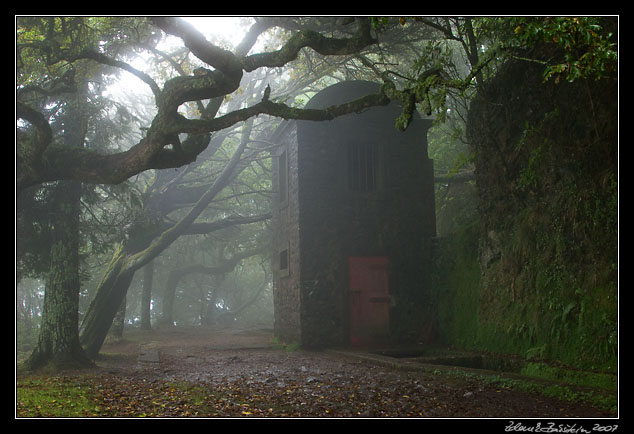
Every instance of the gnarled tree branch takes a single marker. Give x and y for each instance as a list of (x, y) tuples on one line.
[(50, 161), (311, 39)]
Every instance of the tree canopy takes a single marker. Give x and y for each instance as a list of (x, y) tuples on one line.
[(49, 50)]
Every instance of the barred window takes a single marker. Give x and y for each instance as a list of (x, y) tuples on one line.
[(363, 167)]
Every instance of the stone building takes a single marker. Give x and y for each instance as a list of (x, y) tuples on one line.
[(354, 219)]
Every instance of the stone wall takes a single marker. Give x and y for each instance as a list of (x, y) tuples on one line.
[(546, 174), (286, 240)]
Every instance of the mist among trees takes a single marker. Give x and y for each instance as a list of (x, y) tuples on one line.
[(143, 159)]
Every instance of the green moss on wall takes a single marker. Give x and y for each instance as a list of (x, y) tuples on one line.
[(456, 280), (537, 275), (527, 303)]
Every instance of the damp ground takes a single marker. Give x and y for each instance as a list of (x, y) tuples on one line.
[(200, 372)]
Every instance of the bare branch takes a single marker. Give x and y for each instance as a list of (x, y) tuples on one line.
[(285, 112), (321, 44), (205, 228), (105, 60), (200, 47)]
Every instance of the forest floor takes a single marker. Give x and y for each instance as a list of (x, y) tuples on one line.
[(201, 372)]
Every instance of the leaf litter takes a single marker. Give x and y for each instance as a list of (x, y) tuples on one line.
[(227, 374)]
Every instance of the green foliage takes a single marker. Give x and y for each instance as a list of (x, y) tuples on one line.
[(570, 376), (289, 347), (472, 318), (565, 385), (557, 307), (589, 50), (455, 201), (549, 201), (456, 279)]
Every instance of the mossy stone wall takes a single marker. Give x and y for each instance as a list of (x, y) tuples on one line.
[(537, 275)]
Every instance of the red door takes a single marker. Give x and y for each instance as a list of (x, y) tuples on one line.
[(369, 300)]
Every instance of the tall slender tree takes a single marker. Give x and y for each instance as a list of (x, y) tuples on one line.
[(58, 342)]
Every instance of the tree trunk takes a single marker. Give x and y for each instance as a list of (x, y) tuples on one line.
[(103, 308), (58, 343), (210, 307), (116, 330), (146, 296), (167, 317)]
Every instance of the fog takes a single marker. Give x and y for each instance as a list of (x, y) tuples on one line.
[(219, 277)]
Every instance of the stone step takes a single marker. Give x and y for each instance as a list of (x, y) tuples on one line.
[(149, 355)]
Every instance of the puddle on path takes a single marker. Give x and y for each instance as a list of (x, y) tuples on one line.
[(458, 359)]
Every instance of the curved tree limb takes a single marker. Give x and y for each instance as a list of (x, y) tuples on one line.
[(319, 43), (92, 167), (160, 149), (284, 111), (205, 228), (105, 60), (212, 55)]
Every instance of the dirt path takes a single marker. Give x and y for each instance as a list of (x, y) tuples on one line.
[(316, 384)]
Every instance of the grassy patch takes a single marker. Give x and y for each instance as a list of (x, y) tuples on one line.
[(581, 378), (605, 400), (54, 397), (286, 346)]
